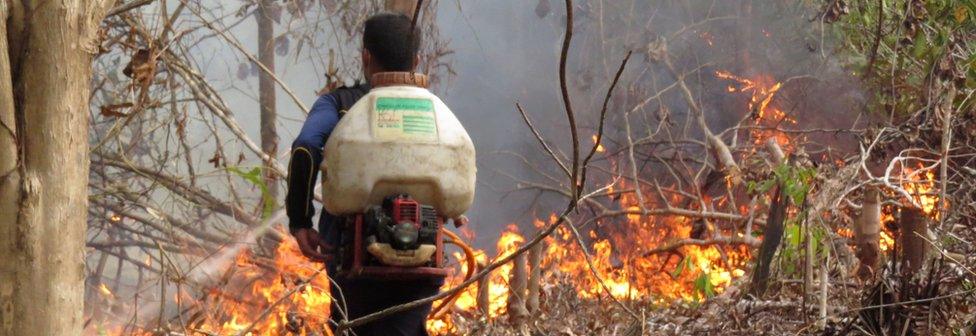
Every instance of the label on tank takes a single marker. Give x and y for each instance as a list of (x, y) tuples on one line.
[(404, 119)]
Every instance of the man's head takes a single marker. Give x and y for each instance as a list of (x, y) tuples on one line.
[(389, 44)]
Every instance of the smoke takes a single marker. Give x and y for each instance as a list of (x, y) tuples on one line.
[(507, 52), (205, 274)]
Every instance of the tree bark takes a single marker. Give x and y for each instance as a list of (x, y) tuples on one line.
[(867, 234), (46, 50), (405, 7), (914, 248), (773, 235), (9, 178), (266, 94), (482, 299), (517, 313), (535, 278)]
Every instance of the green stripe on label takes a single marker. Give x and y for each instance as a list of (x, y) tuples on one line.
[(405, 119), (408, 104), (418, 118)]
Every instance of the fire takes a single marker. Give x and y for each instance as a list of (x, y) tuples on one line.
[(618, 256), (885, 240), (628, 272), (105, 291), (921, 184), (620, 259), (623, 257), (295, 291), (497, 284), (599, 146), (286, 295), (767, 116)]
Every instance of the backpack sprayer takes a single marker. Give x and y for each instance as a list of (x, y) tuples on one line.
[(401, 166)]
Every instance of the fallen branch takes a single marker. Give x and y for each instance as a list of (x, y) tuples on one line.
[(716, 241)]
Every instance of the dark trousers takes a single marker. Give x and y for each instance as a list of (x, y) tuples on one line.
[(363, 297)]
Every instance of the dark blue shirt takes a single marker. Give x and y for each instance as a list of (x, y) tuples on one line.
[(306, 156), (319, 124)]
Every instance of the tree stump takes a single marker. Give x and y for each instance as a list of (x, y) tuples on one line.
[(482, 298), (535, 277), (517, 313), (867, 233), (914, 247)]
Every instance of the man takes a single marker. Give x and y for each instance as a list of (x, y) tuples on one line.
[(388, 45)]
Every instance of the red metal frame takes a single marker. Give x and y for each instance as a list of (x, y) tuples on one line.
[(358, 269)]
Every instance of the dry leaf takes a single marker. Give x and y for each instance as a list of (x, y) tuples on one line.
[(115, 110)]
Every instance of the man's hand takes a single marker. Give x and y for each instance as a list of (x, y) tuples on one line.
[(312, 245)]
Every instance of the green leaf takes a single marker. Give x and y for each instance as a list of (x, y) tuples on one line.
[(703, 287), (686, 262), (793, 232), (921, 46), (256, 177)]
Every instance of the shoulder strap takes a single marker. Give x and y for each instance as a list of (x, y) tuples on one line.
[(347, 96)]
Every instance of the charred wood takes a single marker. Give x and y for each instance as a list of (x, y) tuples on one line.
[(773, 237), (913, 240)]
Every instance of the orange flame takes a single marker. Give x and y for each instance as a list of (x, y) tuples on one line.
[(105, 291), (766, 115), (599, 146), (292, 290), (921, 184)]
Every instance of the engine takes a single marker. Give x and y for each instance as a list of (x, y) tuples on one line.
[(400, 238), (401, 232)]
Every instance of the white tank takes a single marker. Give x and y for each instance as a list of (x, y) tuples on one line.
[(399, 140)]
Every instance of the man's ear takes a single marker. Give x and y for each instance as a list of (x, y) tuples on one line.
[(416, 62), (367, 59)]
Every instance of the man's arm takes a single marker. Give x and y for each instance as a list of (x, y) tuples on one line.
[(306, 156)]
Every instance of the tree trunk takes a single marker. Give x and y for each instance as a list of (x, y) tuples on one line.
[(46, 50), (518, 282), (773, 235), (482, 299), (266, 94), (9, 182), (535, 278), (914, 247), (867, 234), (405, 7)]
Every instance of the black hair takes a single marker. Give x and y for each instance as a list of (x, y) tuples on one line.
[(388, 37)]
